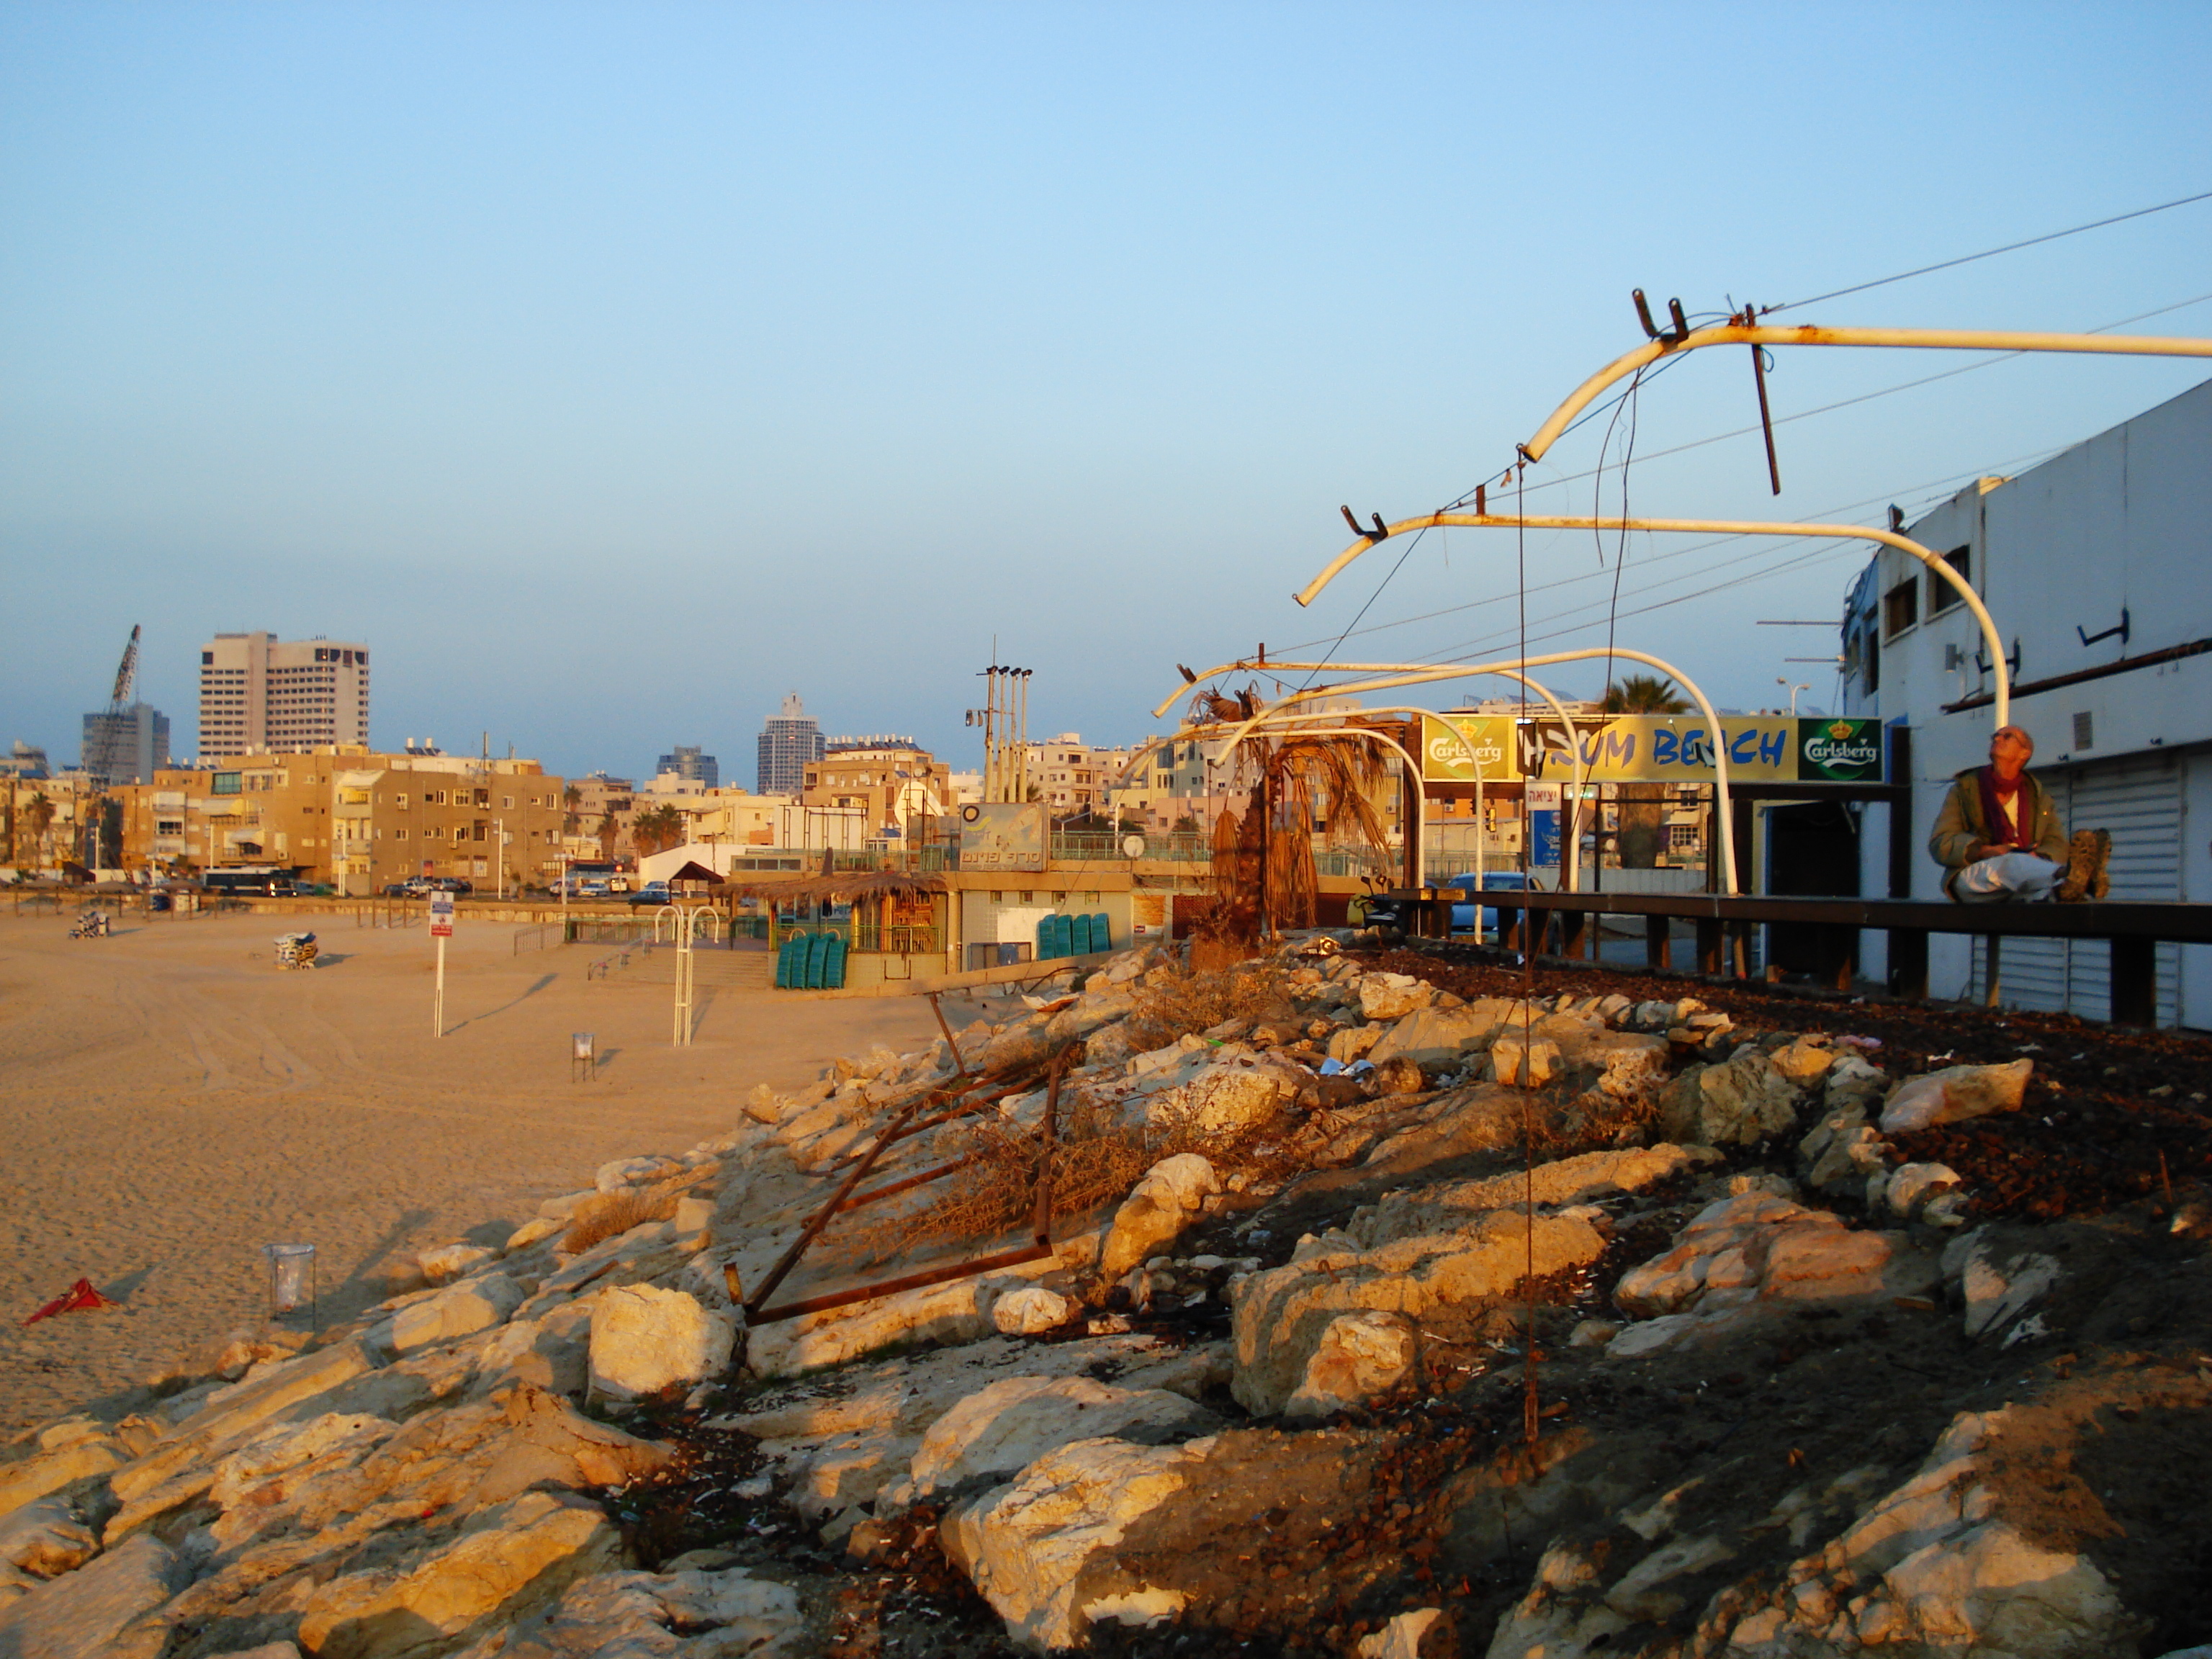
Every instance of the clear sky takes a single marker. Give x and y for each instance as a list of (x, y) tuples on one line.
[(613, 370)]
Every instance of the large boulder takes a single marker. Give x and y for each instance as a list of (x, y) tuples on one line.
[(1358, 1356), (51, 1468), (1391, 996), (1757, 1247), (463, 1309), (1741, 1101), (646, 1340), (1281, 1316), (1166, 1201), (47, 1538), (1438, 1039), (1840, 1152), (1586, 1177), (509, 1560), (998, 1431), (644, 1615), (1228, 1096), (1026, 1544), (100, 1610), (1956, 1092)]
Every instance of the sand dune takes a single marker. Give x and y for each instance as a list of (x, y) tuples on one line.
[(169, 1101)]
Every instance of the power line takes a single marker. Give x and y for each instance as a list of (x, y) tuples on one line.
[(1906, 492), (1868, 397), (1989, 253)]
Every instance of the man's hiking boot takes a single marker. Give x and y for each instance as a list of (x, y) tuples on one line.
[(2087, 853)]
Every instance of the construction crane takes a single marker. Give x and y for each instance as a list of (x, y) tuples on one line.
[(110, 746)]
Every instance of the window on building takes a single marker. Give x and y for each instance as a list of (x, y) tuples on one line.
[(1942, 596), (1873, 663), (223, 783), (1901, 607), (399, 835)]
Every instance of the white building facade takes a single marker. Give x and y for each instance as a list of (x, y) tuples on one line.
[(2097, 568)]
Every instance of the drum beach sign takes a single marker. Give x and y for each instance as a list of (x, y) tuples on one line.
[(1652, 748)]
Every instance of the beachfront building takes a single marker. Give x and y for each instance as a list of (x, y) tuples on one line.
[(273, 811), (898, 787), (499, 824), (261, 694), (2091, 565)]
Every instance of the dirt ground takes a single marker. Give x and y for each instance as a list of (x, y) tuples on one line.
[(169, 1103)]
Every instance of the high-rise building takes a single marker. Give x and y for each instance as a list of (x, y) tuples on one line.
[(126, 745), (259, 693), (789, 743), (687, 762)]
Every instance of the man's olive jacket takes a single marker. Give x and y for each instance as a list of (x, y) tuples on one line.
[(1960, 828)]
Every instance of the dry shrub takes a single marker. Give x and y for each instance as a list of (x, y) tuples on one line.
[(1187, 1002), (612, 1214), (1593, 1121), (1096, 1158)]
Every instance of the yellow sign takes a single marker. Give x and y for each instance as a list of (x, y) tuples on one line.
[(1624, 749), (1472, 746)]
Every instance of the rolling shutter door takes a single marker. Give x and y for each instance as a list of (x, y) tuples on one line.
[(2138, 799)]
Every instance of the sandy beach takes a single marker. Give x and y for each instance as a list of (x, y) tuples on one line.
[(170, 1102)]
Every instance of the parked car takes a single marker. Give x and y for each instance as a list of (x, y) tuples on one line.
[(653, 892), (1464, 918), (421, 886)]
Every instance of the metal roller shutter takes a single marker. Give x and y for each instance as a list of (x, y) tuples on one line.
[(2138, 799)]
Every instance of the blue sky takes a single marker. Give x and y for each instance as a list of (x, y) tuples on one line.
[(613, 370)]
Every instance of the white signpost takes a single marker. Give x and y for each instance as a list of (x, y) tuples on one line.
[(441, 929)]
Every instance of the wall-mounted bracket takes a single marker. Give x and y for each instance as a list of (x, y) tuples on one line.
[(2012, 657), (2122, 630)]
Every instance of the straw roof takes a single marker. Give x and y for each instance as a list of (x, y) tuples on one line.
[(846, 884)]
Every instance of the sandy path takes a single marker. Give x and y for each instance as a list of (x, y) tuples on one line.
[(169, 1103)]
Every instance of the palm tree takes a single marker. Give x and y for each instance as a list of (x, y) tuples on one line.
[(571, 799), (1644, 694), (1642, 811), (658, 829)]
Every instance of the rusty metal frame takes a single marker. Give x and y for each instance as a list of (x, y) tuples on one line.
[(902, 1127)]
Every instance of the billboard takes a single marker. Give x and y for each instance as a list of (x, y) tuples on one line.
[(1650, 749), (1002, 835)]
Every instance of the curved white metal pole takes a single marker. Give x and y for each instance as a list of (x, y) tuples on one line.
[(1724, 802), (1945, 339), (1942, 568)]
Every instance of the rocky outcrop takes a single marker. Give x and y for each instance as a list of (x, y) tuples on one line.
[(107, 1609), (993, 1434), (1280, 1316), (1026, 1544)]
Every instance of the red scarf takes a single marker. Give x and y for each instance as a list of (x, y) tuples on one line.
[(1993, 817)]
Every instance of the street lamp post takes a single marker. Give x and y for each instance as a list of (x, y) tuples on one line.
[(1783, 679)]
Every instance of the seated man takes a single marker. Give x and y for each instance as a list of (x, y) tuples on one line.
[(2000, 838)]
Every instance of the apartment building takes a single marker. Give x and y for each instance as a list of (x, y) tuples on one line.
[(261, 694), (893, 780), (275, 811), (495, 822)]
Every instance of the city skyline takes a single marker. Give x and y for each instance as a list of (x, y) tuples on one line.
[(521, 348)]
